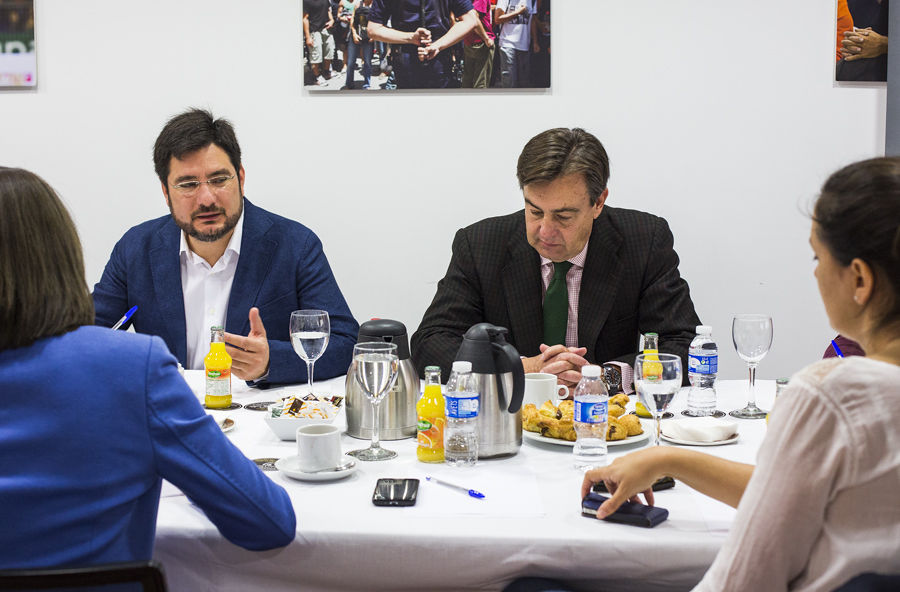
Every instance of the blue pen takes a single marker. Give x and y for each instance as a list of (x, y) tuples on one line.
[(837, 350), (470, 492), (125, 318)]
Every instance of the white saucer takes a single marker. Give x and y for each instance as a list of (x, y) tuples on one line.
[(289, 466), (730, 440)]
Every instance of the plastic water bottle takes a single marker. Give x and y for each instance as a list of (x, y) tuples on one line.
[(703, 364), (591, 419), (460, 433)]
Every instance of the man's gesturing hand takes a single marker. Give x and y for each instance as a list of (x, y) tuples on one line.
[(250, 354)]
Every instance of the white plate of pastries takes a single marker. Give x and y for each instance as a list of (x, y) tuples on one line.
[(553, 424)]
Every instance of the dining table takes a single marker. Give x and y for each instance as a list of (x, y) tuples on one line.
[(528, 524)]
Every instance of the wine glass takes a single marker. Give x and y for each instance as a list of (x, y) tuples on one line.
[(752, 335), (309, 336), (657, 377), (375, 368)]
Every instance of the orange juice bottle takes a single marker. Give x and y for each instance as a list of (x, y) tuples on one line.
[(217, 364), (430, 410), (651, 352)]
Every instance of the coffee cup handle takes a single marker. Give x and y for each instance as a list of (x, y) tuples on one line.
[(562, 392)]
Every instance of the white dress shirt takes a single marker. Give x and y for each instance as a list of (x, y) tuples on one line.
[(206, 290)]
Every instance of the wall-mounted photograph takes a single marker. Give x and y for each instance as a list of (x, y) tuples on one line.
[(862, 41), (18, 64), (385, 45)]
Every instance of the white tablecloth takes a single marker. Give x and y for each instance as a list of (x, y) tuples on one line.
[(531, 525)]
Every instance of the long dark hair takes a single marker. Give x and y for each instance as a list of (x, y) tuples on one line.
[(858, 217), (42, 286)]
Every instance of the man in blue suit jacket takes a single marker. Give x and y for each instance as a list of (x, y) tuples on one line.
[(219, 259)]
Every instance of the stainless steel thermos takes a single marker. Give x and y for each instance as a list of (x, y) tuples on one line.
[(397, 411), (500, 381)]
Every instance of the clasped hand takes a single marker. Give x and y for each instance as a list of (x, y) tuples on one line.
[(862, 43), (422, 38), (250, 354), (564, 362)]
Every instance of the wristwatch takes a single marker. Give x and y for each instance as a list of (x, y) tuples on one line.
[(612, 376)]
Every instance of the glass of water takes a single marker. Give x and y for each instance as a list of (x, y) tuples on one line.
[(309, 336), (375, 366), (657, 377)]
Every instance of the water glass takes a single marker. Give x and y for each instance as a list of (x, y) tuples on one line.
[(310, 330), (657, 377), (752, 335), (375, 367)]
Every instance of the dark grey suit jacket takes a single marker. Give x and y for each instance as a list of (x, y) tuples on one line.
[(630, 286)]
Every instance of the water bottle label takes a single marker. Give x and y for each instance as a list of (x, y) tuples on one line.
[(703, 364), (462, 407), (590, 412)]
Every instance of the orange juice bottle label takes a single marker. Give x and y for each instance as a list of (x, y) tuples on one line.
[(218, 382), (431, 432)]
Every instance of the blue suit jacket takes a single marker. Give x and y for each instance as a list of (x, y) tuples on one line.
[(91, 422), (282, 268)]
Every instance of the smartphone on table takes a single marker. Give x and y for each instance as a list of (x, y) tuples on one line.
[(395, 492), (659, 485)]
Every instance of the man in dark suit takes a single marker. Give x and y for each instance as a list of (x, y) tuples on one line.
[(574, 281), (220, 260)]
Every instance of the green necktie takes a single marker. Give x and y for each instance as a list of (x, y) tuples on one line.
[(556, 305)]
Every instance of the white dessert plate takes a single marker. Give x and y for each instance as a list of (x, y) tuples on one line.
[(290, 467), (536, 437), (730, 440)]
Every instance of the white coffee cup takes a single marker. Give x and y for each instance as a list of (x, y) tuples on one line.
[(318, 447), (540, 386)]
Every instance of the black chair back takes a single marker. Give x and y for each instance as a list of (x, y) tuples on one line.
[(146, 573), (872, 582)]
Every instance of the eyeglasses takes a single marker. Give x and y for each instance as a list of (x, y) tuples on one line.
[(190, 187)]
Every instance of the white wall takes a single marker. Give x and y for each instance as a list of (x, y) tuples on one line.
[(719, 116)]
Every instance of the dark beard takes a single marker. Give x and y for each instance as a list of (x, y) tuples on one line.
[(211, 236)]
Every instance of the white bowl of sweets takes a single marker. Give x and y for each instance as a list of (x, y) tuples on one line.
[(285, 416)]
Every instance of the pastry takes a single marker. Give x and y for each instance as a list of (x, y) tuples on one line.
[(615, 431), (531, 418), (548, 409), (620, 399), (557, 422), (566, 429), (631, 424)]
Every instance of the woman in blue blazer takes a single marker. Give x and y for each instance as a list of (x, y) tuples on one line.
[(92, 420)]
